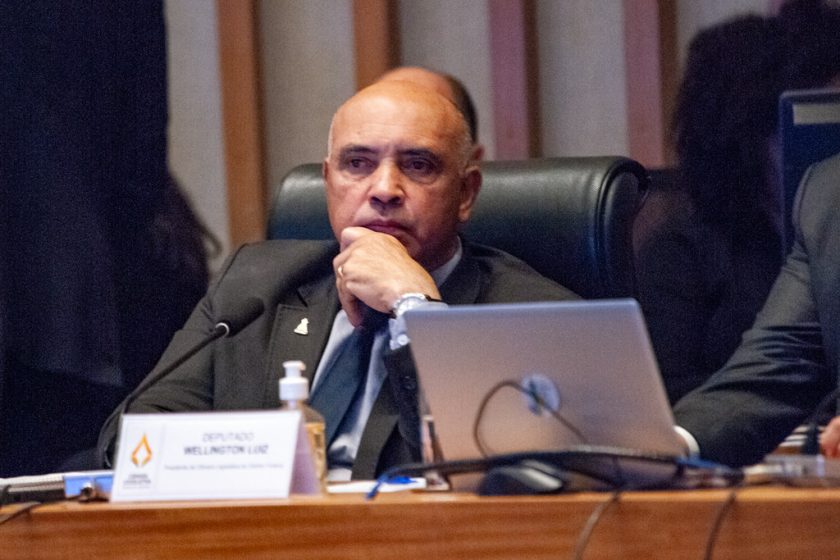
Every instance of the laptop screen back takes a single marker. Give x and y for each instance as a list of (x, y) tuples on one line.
[(591, 360)]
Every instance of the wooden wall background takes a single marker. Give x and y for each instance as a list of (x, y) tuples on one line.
[(254, 83)]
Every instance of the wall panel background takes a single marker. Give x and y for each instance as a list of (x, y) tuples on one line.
[(307, 68)]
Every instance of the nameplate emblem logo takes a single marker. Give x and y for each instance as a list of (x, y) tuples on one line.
[(142, 454)]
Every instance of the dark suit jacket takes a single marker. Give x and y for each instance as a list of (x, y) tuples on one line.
[(700, 287), (295, 280), (788, 360)]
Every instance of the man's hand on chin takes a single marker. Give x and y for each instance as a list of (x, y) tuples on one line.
[(375, 269)]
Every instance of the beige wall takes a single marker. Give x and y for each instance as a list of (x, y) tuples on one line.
[(454, 38), (196, 151), (581, 62), (308, 69)]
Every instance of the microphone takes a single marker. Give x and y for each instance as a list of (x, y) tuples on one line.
[(240, 318), (227, 326), (807, 469), (811, 445)]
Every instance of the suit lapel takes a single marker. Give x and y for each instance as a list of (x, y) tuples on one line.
[(300, 332), (464, 284)]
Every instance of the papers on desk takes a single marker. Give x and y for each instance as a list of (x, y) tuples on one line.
[(808, 471), (365, 486), (97, 485)]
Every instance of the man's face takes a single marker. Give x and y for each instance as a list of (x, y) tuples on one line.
[(396, 165)]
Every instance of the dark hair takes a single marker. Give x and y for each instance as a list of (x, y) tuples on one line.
[(465, 104), (726, 114), (811, 30), (727, 107)]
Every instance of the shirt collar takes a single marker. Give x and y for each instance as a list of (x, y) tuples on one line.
[(440, 274)]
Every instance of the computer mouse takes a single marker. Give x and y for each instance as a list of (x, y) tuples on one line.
[(526, 478)]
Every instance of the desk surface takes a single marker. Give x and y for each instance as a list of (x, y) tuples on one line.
[(761, 522)]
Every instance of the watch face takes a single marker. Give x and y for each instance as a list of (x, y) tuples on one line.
[(408, 301)]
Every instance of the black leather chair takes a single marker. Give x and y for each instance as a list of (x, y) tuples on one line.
[(664, 197), (569, 218)]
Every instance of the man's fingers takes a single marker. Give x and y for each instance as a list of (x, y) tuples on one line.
[(350, 303), (351, 234), (830, 438)]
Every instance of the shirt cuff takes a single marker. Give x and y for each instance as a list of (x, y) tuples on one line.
[(399, 336), (691, 445)]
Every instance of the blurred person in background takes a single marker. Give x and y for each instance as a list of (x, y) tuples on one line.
[(705, 273), (103, 259)]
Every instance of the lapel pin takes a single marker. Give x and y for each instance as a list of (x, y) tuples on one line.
[(303, 327)]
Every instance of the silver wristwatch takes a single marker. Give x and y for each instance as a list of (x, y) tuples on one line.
[(410, 301)]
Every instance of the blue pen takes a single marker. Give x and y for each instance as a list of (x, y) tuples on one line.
[(384, 480), (399, 480)]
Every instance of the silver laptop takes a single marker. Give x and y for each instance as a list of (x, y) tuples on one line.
[(589, 362)]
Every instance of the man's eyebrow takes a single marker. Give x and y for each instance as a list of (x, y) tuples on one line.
[(355, 150), (422, 152)]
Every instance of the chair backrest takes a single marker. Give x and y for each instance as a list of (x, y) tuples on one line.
[(571, 219), (665, 196), (809, 129)]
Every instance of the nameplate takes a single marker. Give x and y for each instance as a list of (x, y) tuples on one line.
[(213, 455)]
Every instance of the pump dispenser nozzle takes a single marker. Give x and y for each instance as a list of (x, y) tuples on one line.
[(293, 386)]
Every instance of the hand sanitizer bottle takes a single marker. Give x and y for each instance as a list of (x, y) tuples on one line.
[(294, 391)]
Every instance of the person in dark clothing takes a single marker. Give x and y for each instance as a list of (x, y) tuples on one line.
[(102, 257), (706, 272)]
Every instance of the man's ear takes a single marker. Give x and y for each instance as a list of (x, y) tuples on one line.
[(325, 168), (477, 152), (470, 185)]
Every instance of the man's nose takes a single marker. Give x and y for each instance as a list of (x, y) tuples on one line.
[(387, 184)]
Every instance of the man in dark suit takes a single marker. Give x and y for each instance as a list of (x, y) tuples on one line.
[(788, 360), (400, 181)]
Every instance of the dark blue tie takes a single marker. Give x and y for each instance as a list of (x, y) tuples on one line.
[(344, 380)]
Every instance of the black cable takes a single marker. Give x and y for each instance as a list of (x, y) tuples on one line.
[(716, 524), (4, 495), (600, 464), (482, 448), (594, 517), (23, 508), (811, 444)]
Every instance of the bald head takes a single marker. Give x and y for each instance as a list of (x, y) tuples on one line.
[(411, 109), (421, 77), (445, 84)]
